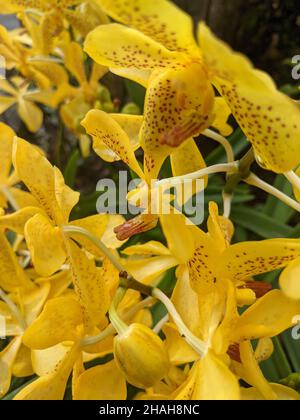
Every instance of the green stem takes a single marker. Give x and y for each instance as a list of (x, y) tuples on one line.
[(119, 325), (110, 330), (97, 242)]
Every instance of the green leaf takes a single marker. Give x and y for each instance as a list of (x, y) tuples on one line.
[(263, 225), (136, 93), (278, 366), (71, 169), (15, 391), (292, 348), (276, 208)]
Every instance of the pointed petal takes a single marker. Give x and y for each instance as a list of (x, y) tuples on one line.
[(104, 129), (182, 251), (269, 119), (162, 21), (38, 178), (290, 280), (150, 269), (252, 374), (51, 387), (184, 99), (73, 58), (180, 352), (282, 392), (43, 333), (22, 366), (246, 259), (46, 244), (16, 221), (104, 382), (65, 196), (149, 248), (92, 290), (268, 317), (12, 277), (215, 381), (188, 159), (5, 103), (45, 362), (6, 146), (31, 114), (222, 112), (118, 46), (7, 358)]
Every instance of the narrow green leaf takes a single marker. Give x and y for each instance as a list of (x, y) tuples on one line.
[(259, 223), (276, 208), (72, 168)]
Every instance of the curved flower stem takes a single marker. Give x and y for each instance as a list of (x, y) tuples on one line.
[(199, 346), (223, 141), (10, 198), (158, 327), (227, 203), (14, 309), (259, 183), (110, 330), (293, 179), (119, 325), (97, 242), (214, 169), (125, 281)]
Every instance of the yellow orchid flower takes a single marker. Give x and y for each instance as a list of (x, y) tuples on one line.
[(46, 234), (82, 16), (50, 347), (160, 52), (22, 53), (116, 137), (18, 93), (9, 194), (15, 359)]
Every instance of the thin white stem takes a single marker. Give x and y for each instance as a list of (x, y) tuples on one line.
[(10, 198), (223, 141), (110, 330), (259, 183), (227, 203), (14, 309), (199, 346), (293, 179), (214, 169), (84, 232), (159, 326)]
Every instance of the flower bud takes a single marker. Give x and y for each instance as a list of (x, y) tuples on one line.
[(141, 355)]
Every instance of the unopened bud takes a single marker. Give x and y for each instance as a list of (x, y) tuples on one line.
[(141, 355)]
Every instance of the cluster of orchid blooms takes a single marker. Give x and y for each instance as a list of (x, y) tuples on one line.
[(69, 296)]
